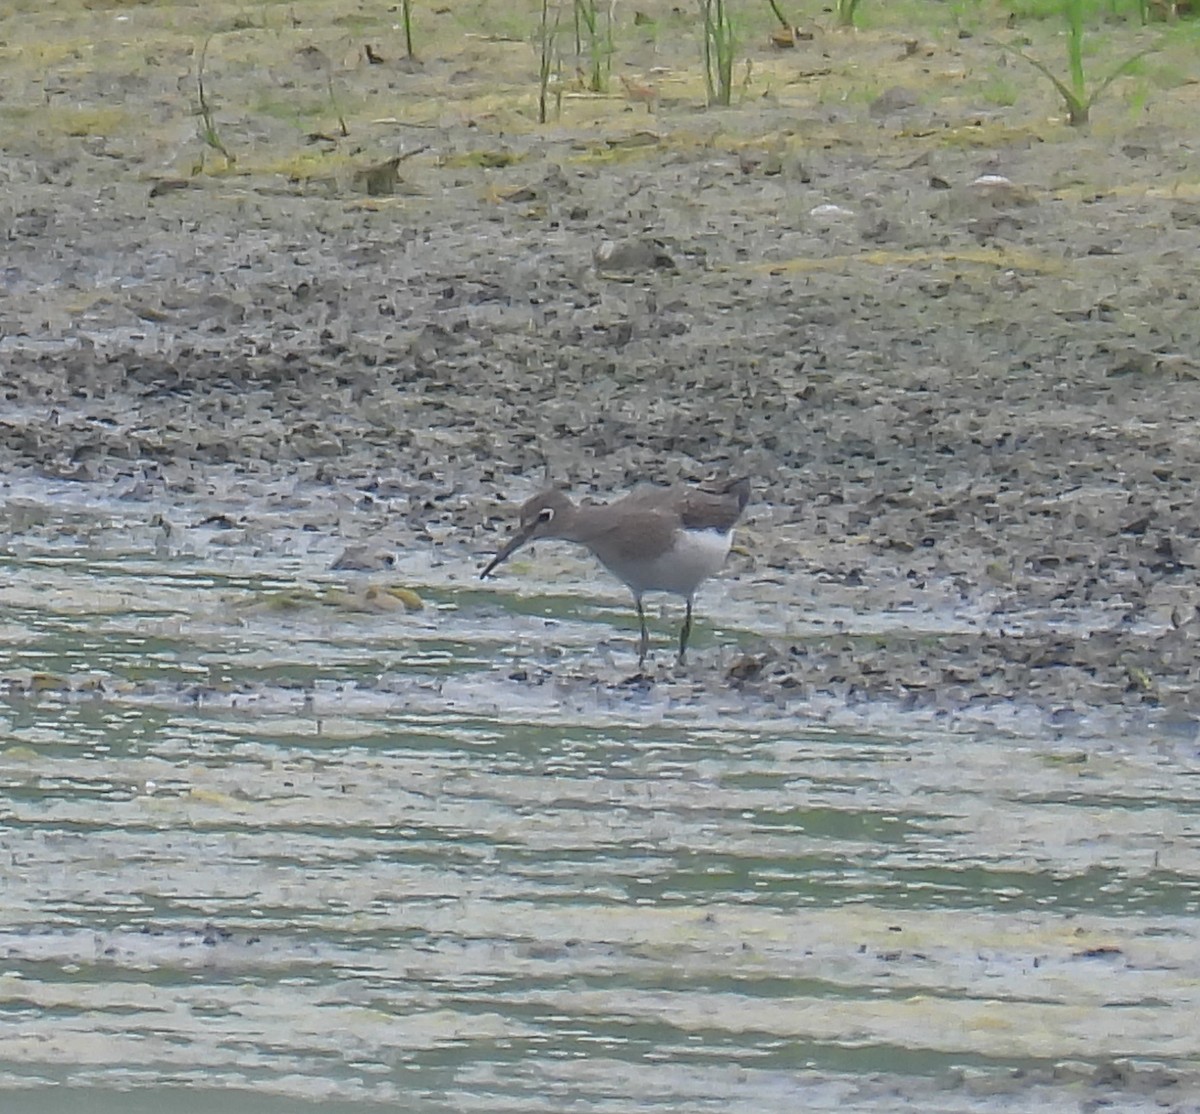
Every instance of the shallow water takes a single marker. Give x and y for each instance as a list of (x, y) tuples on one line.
[(277, 841)]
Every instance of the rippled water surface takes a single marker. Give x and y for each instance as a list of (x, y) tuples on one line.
[(271, 840)]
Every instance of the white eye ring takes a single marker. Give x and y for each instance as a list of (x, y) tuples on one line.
[(546, 514)]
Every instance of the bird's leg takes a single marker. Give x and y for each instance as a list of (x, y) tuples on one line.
[(685, 634), (644, 644)]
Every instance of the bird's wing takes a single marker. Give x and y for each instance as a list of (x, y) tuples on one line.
[(630, 516), (715, 508)]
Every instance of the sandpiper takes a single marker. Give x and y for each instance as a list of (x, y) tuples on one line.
[(656, 539)]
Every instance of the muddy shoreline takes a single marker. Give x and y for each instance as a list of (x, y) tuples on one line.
[(958, 397)]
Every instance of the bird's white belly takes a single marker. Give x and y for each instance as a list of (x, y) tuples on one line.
[(695, 556)]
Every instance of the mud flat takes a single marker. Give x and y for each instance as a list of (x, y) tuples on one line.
[(953, 340)]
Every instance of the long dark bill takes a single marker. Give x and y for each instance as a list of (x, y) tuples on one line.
[(511, 546)]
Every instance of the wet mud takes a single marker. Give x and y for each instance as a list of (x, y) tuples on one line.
[(954, 344)]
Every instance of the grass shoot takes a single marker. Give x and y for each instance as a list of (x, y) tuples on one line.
[(594, 37), (1074, 90), (718, 51), (208, 130)]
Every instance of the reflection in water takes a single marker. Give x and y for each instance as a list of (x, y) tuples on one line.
[(318, 855)]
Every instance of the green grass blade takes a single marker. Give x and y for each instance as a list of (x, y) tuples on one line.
[(1073, 10), (1124, 67), (1077, 107)]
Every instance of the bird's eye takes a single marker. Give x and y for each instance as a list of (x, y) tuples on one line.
[(545, 514)]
